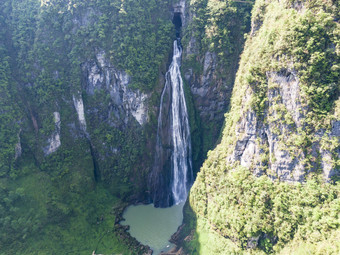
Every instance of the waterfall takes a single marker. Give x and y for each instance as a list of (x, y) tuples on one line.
[(181, 165)]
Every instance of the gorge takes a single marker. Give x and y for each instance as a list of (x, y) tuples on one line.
[(151, 226), (104, 109)]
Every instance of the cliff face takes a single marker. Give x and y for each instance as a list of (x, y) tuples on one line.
[(80, 101), (116, 115), (80, 90), (284, 107), (208, 73), (79, 94), (86, 74), (80, 84), (213, 40), (282, 128)]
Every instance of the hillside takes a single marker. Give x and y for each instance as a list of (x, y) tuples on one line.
[(271, 185), (86, 121)]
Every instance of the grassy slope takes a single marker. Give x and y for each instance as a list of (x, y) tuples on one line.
[(232, 206)]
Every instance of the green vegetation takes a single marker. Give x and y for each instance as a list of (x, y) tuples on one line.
[(40, 222), (273, 212), (67, 202), (235, 210), (50, 204), (218, 27), (9, 112)]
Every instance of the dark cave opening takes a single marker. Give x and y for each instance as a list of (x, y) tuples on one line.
[(177, 21)]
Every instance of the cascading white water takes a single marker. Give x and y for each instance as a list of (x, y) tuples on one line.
[(181, 164)]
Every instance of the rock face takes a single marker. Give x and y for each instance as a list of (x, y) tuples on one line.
[(54, 141), (270, 138), (328, 159), (85, 109), (107, 115), (120, 113), (211, 95), (210, 80), (79, 105), (18, 149), (160, 176), (253, 135), (282, 126), (102, 75)]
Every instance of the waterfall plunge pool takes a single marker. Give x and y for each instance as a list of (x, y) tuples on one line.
[(153, 226)]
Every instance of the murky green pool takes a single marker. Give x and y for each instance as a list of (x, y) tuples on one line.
[(153, 226)]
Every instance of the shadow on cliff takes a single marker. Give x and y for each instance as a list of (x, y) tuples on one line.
[(186, 237)]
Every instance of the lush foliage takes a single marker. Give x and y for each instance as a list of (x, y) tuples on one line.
[(236, 211), (51, 202), (218, 26), (272, 212), (213, 27), (9, 113)]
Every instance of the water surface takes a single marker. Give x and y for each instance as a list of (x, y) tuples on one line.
[(153, 226)]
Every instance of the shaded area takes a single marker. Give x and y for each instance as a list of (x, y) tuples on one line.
[(186, 236), (177, 21)]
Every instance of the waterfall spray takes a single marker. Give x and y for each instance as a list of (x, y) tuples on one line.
[(181, 164)]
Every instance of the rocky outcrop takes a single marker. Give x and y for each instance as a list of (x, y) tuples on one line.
[(211, 95), (79, 106), (282, 127), (113, 116), (266, 145), (54, 141), (257, 139), (328, 158), (18, 148), (124, 101)]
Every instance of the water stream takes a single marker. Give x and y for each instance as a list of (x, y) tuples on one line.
[(154, 226), (181, 165)]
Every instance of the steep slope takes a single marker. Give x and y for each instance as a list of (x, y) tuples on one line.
[(273, 178), (208, 71), (213, 38), (79, 82), (80, 88)]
